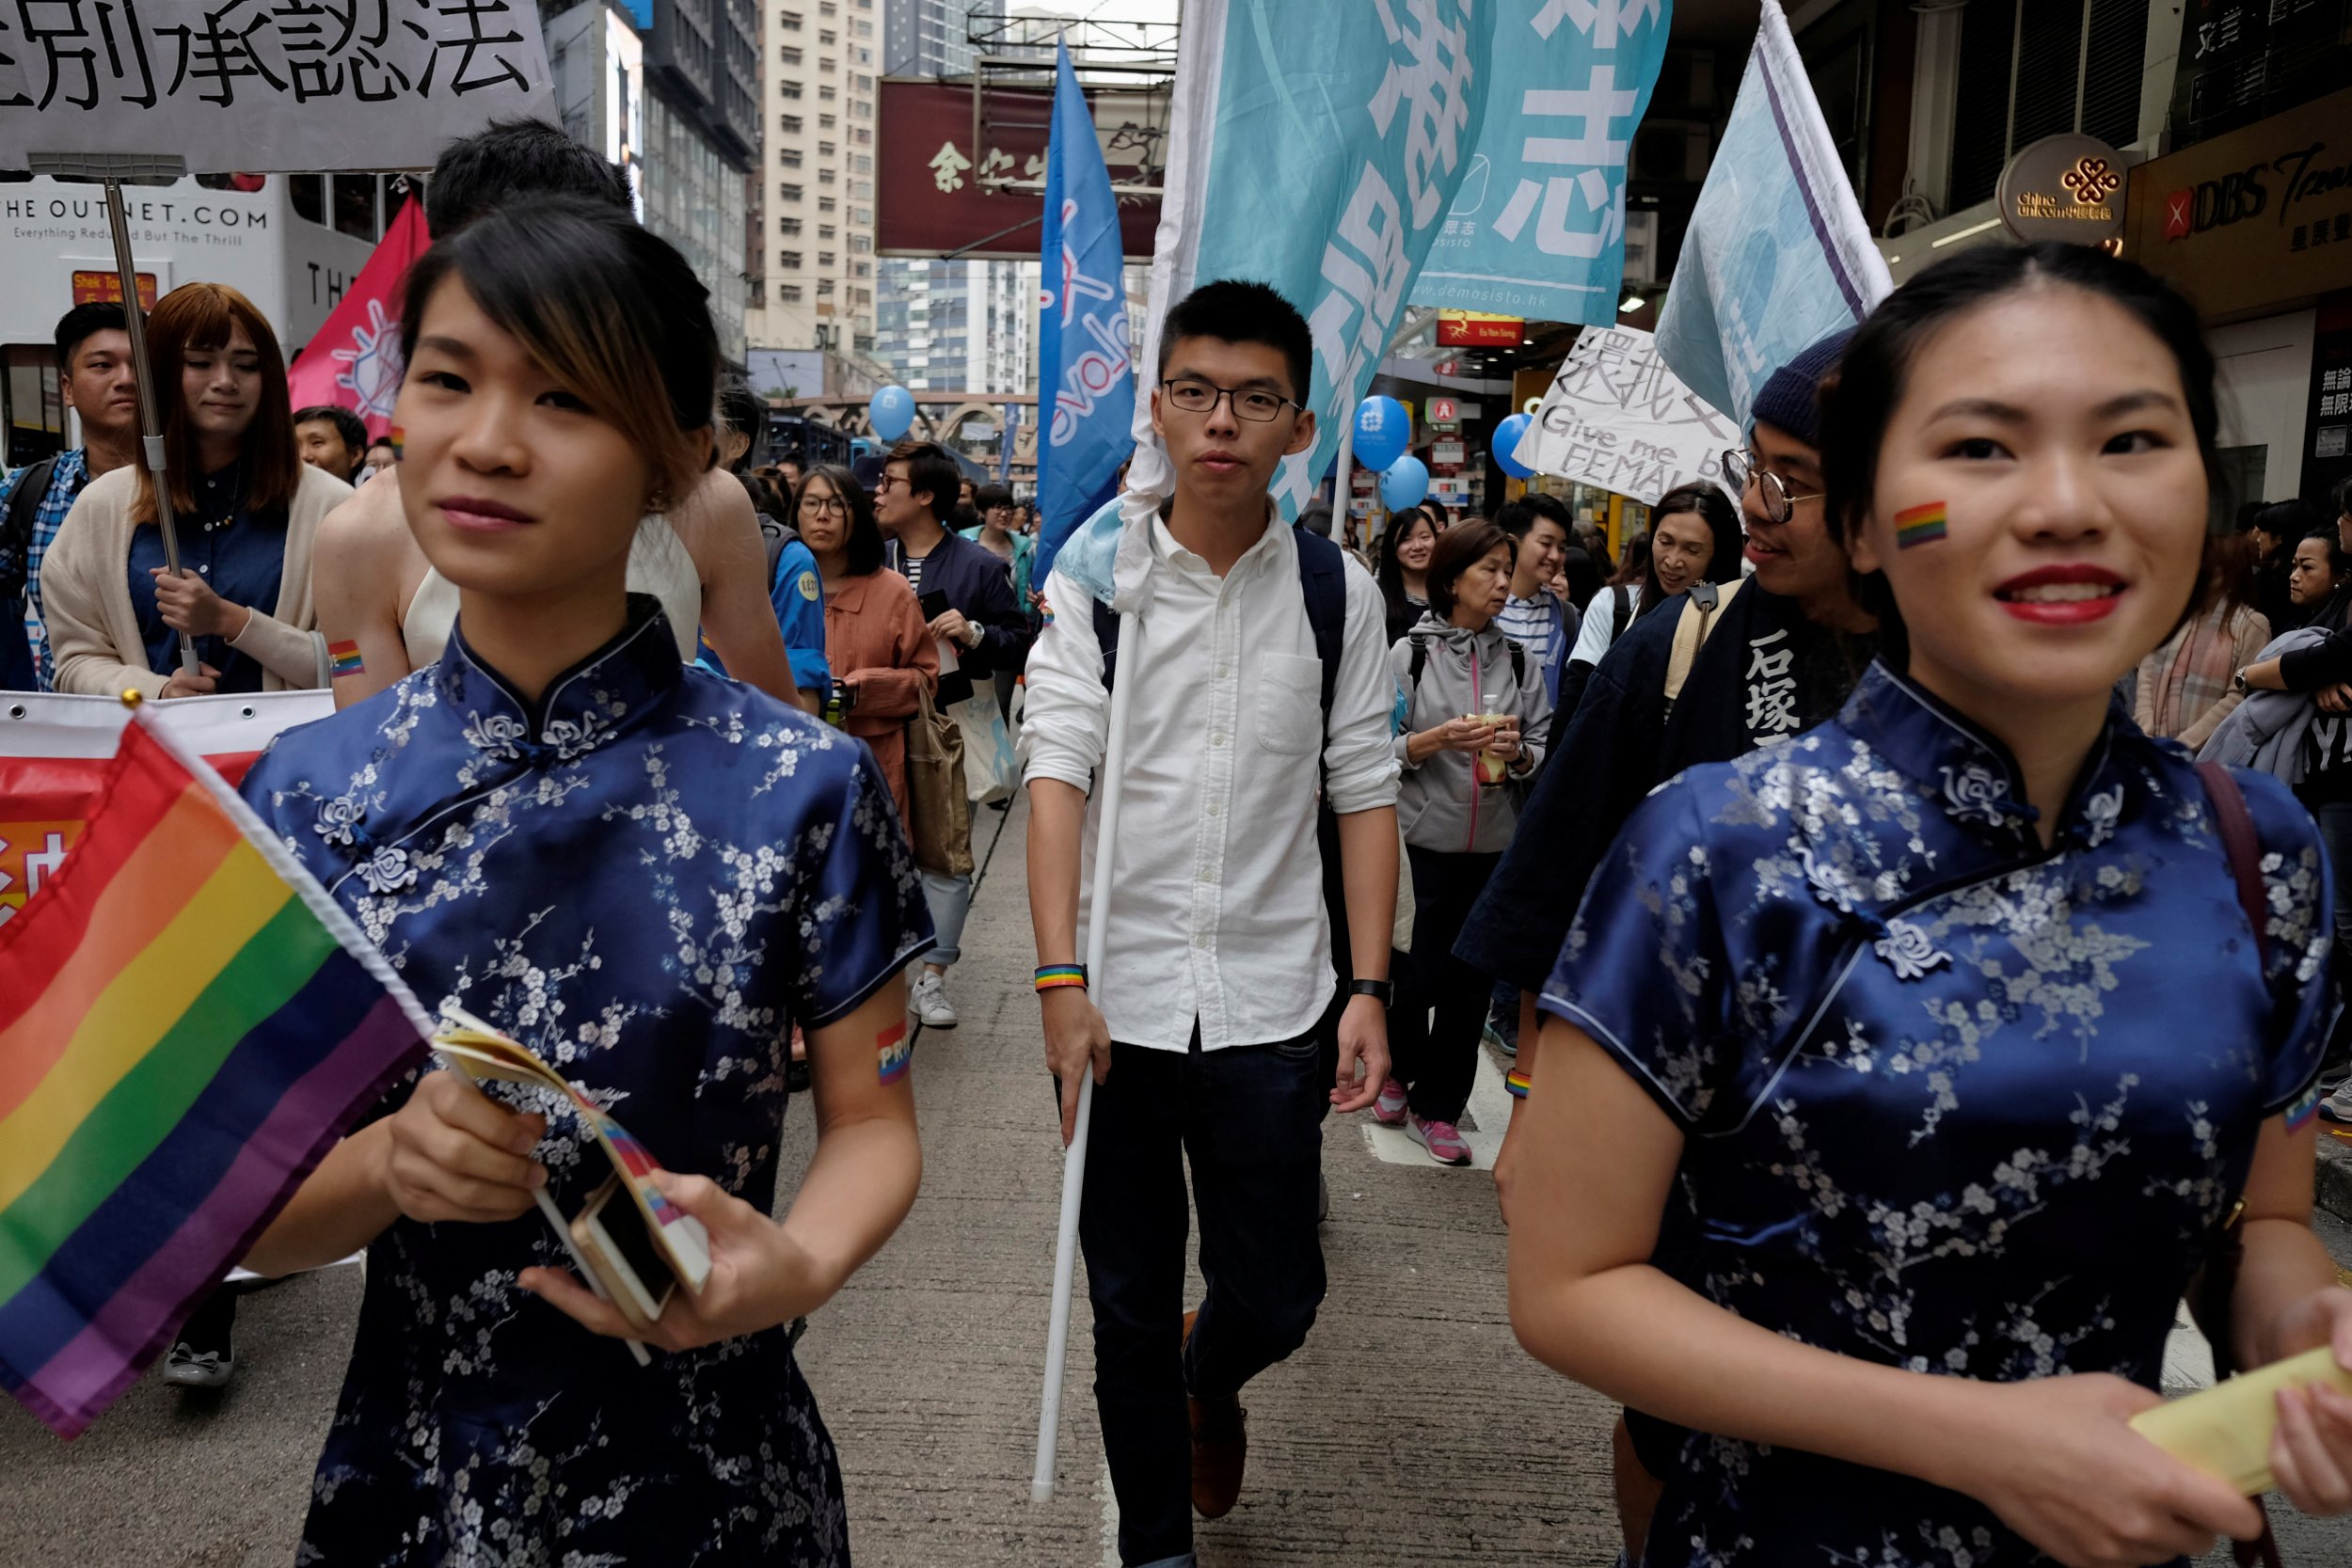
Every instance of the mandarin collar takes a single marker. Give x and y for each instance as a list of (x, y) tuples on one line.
[(582, 708), (1970, 774)]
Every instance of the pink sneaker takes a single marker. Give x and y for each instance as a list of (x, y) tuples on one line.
[(1443, 1139), (1388, 1110)]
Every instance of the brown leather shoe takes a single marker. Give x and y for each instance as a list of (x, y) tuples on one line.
[(1221, 1449)]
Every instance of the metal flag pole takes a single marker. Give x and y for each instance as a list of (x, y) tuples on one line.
[(1343, 500), (1074, 1162), (112, 169)]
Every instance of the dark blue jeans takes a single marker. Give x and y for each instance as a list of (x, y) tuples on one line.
[(1249, 1120)]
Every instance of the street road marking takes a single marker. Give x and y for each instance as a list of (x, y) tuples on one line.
[(1489, 1106)]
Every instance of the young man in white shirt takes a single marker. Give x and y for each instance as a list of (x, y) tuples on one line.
[(1219, 969)]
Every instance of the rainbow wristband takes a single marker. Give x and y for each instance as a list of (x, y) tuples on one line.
[(1052, 975), (1517, 1083)]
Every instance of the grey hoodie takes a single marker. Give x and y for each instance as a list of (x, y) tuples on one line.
[(1440, 804)]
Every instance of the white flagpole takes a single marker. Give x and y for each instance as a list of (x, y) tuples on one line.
[(1073, 1163)]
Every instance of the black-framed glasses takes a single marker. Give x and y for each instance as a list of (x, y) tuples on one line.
[(825, 504), (1200, 397), (1743, 468)]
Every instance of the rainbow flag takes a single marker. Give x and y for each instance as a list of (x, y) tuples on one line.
[(187, 1025)]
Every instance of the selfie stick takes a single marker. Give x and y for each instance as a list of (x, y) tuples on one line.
[(1073, 1163)]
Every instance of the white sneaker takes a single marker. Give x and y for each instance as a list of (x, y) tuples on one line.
[(2337, 1106), (928, 1002)]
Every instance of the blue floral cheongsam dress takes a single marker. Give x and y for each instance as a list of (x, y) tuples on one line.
[(649, 878), (1950, 1101)]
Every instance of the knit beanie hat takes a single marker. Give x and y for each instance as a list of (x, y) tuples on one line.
[(1791, 398)]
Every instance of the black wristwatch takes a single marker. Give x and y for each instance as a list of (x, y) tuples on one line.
[(1382, 991)]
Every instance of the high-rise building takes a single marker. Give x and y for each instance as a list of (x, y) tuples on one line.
[(953, 326), (666, 89), (810, 236)]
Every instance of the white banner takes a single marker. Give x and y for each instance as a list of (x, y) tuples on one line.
[(1777, 256), (265, 86), (1616, 417)]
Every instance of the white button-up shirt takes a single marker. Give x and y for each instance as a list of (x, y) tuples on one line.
[(1217, 910)]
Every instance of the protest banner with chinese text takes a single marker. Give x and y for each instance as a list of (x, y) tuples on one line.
[(1537, 228), (265, 84), (1616, 417), (1324, 174)]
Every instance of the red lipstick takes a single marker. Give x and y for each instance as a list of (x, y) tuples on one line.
[(2062, 595)]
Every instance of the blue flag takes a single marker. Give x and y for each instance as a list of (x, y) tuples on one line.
[(1086, 406)]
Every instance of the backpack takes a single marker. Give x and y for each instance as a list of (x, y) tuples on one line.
[(1322, 582), (1692, 632), (1621, 599), (16, 526), (1420, 658), (774, 535)]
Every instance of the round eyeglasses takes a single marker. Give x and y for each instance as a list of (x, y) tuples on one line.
[(825, 505), (1199, 397), (1743, 468)]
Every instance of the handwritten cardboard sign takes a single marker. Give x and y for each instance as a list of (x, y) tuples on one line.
[(1617, 418)]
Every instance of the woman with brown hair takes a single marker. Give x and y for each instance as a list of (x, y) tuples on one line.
[(2184, 691), (880, 646), (245, 508)]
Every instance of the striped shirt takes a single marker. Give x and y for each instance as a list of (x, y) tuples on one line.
[(1528, 623)]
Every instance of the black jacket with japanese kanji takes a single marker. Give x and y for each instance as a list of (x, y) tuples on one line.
[(1766, 672)]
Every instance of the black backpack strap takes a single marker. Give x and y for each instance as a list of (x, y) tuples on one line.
[(1421, 661), (1323, 581), (16, 529), (1518, 663), (1106, 633), (1621, 610)]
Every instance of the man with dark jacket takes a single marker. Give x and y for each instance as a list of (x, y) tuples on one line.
[(1780, 656), (967, 596)]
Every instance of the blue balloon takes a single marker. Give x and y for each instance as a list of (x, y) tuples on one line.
[(1404, 483), (891, 411), (1383, 432), (1506, 443)]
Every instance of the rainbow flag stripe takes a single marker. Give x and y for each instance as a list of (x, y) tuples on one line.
[(1919, 525), (187, 1023), (343, 659)]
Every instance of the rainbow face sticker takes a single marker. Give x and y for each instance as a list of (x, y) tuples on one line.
[(895, 1053), (1919, 525)]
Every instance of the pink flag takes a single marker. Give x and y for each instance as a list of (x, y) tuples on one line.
[(354, 362)]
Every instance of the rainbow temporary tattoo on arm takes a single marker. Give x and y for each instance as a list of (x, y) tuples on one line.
[(1919, 525), (343, 659), (2305, 1107), (895, 1051)]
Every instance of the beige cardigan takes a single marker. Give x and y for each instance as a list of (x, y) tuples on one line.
[(86, 594)]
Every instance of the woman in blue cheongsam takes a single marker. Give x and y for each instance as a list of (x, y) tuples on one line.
[(649, 875), (1897, 1077)]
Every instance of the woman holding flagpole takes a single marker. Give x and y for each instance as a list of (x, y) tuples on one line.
[(245, 508), (648, 875)]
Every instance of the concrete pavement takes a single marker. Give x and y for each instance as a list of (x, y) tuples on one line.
[(1410, 1431)]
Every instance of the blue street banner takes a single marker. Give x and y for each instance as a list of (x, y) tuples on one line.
[(1315, 145), (1537, 228), (1084, 355), (1777, 256)]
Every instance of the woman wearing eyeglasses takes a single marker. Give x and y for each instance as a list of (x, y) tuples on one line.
[(882, 654)]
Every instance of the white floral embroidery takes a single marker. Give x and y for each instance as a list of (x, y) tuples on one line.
[(1908, 950), (1973, 791), (388, 869), (336, 818), (2100, 814)]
